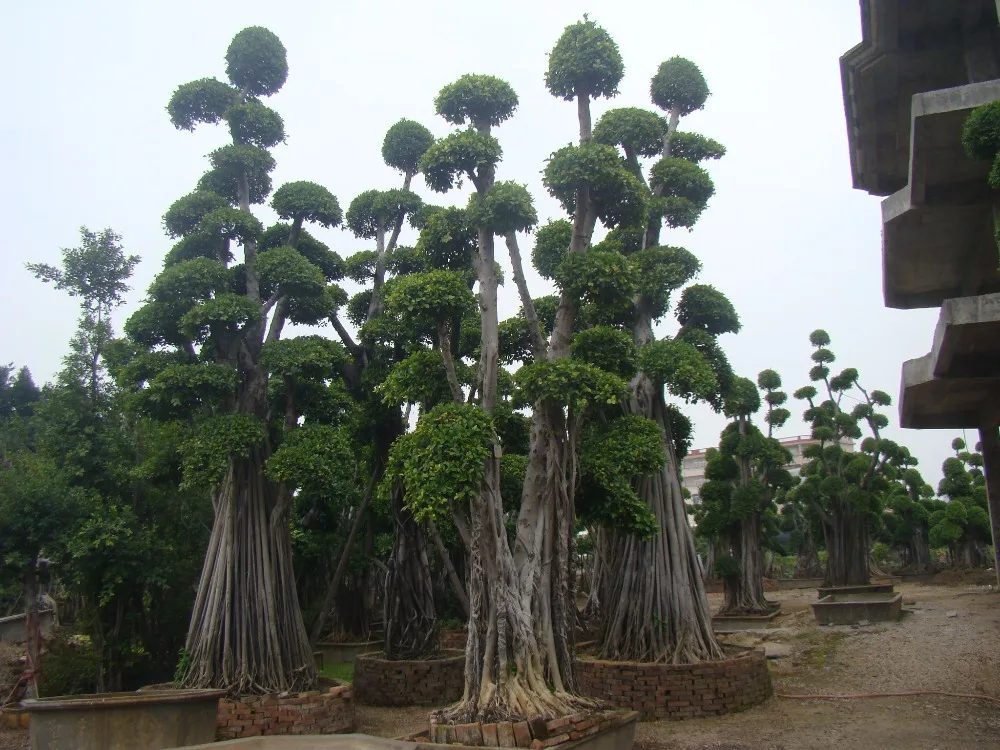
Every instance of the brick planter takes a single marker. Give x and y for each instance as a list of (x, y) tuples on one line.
[(329, 711), (589, 730), (453, 639), (429, 682), (679, 691)]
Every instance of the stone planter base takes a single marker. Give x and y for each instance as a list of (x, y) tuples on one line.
[(850, 609), (123, 721), (679, 691), (737, 623), (874, 588), (429, 682), (589, 730), (329, 711)]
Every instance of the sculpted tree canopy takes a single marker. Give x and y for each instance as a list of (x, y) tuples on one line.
[(209, 354), (744, 474)]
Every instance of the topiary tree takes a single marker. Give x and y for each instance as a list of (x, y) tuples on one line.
[(962, 523), (650, 593), (909, 504), (843, 487), (380, 215), (743, 476), (209, 354)]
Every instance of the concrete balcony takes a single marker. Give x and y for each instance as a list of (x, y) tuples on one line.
[(937, 236), (909, 47), (950, 387)]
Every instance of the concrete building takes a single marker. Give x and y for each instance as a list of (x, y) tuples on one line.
[(693, 465), (920, 69)]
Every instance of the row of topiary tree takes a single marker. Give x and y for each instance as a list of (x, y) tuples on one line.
[(851, 490)]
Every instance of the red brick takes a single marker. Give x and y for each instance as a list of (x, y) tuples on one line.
[(522, 734)]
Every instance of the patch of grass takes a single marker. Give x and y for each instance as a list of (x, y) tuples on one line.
[(340, 670)]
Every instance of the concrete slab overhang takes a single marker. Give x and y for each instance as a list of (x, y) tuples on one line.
[(937, 235), (909, 47), (950, 387)]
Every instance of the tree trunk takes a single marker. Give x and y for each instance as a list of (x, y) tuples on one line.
[(847, 549), (33, 636), (410, 620), (920, 553), (449, 567), (345, 556), (744, 593), (656, 609), (246, 633), (807, 564)]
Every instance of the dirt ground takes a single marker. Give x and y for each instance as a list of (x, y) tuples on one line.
[(948, 639)]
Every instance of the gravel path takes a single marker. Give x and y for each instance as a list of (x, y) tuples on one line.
[(927, 649)]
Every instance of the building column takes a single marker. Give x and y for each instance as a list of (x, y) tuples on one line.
[(990, 440)]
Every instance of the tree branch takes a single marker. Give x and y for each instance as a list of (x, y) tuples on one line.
[(456, 582), (449, 364), (375, 306), (345, 337), (278, 321), (271, 302), (538, 343)]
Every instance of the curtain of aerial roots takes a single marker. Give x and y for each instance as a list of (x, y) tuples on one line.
[(246, 632), (504, 668), (847, 549), (807, 564), (410, 621), (919, 553), (655, 609), (744, 593)]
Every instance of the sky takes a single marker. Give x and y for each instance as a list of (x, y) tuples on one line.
[(85, 140)]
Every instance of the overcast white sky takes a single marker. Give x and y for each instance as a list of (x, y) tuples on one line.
[(85, 140)]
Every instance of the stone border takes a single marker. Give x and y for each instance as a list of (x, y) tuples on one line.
[(679, 691), (328, 711), (534, 734), (429, 682)]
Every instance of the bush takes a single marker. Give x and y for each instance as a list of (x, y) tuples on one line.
[(69, 666)]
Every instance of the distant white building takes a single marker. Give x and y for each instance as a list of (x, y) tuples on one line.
[(693, 465)]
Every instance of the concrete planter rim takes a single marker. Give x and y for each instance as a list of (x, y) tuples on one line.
[(118, 700)]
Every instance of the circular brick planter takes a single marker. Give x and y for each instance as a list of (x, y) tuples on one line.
[(429, 682), (327, 711), (679, 691)]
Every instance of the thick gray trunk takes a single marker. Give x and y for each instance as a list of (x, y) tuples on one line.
[(32, 634), (656, 609), (744, 593), (246, 633)]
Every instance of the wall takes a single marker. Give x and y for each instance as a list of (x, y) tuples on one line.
[(430, 682), (329, 711), (671, 691)]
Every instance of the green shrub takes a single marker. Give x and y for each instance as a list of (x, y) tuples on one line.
[(69, 666)]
